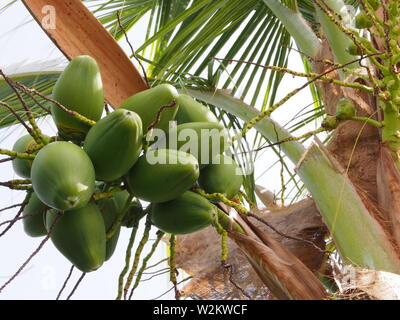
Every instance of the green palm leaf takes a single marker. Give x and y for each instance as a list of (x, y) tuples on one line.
[(41, 81)]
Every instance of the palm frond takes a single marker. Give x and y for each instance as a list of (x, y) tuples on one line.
[(7, 5), (41, 81)]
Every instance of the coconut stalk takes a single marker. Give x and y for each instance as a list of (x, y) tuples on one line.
[(388, 86), (358, 236)]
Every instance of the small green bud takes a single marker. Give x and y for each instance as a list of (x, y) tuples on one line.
[(386, 73), (363, 21), (396, 58), (391, 84), (393, 43), (396, 30), (354, 50), (330, 123), (393, 9), (388, 78), (345, 109), (395, 95), (135, 213), (365, 43)]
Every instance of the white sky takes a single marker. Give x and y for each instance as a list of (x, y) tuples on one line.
[(22, 42)]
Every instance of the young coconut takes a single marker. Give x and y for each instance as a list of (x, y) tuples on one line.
[(330, 123), (363, 21), (345, 109)]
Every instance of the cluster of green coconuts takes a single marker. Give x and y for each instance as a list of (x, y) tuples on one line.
[(363, 21), (88, 160)]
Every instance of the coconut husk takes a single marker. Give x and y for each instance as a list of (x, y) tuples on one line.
[(198, 254), (363, 284), (388, 178), (281, 271), (266, 196)]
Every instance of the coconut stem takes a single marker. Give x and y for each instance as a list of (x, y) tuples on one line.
[(118, 221), (354, 85), (20, 155), (219, 197), (372, 122), (138, 253), (108, 194), (127, 259), (160, 234), (172, 265), (35, 131), (72, 113)]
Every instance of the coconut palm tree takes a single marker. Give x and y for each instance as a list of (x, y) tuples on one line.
[(233, 56)]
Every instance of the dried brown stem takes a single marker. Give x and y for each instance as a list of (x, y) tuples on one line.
[(76, 285), (14, 219), (25, 89), (169, 290), (16, 186), (159, 273), (146, 79), (65, 282), (107, 109), (13, 87), (36, 132), (12, 207), (229, 269), (158, 117), (31, 256), (16, 115), (76, 115), (23, 217), (7, 159), (285, 235)]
